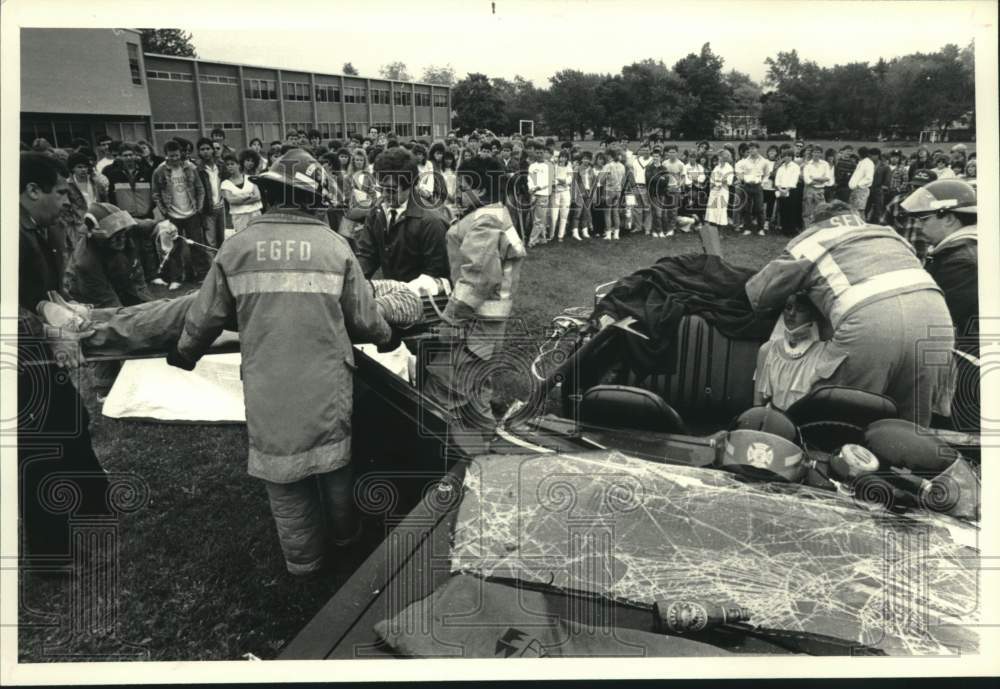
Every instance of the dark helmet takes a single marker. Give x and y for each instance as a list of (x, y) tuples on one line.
[(922, 177), (946, 195), (301, 171), (767, 419), (105, 220)]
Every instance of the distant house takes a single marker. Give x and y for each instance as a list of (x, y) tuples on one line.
[(740, 127)]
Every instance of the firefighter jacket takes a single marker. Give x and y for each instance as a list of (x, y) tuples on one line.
[(954, 265), (844, 264), (485, 254), (295, 292)]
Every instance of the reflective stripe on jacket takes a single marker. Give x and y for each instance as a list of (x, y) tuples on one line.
[(299, 300), (485, 255), (844, 264)]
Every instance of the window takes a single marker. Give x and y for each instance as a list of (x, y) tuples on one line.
[(440, 100), (423, 100), (355, 94), (217, 79), (404, 129), (383, 127), (326, 93), (439, 131), (296, 90), (380, 97), (331, 130), (423, 130), (402, 97), (133, 63), (298, 126), (260, 89), (265, 131)]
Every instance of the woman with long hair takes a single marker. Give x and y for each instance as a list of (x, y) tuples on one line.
[(361, 193), (147, 156)]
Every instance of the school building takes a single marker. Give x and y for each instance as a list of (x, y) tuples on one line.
[(88, 82)]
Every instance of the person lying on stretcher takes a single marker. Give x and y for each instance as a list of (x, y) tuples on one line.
[(793, 361)]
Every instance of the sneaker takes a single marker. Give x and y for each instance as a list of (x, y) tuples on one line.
[(668, 234), (746, 233), (762, 233), (159, 281), (607, 236), (173, 286), (586, 232)]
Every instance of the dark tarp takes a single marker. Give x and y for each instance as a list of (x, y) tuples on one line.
[(676, 286)]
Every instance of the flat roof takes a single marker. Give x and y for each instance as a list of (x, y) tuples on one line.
[(283, 69)]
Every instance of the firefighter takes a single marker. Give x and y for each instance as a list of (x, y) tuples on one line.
[(943, 214), (298, 297), (105, 270), (485, 254), (889, 319)]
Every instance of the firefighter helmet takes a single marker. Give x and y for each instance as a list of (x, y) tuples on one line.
[(942, 195), (299, 170)]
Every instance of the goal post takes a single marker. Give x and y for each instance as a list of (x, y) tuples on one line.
[(528, 125)]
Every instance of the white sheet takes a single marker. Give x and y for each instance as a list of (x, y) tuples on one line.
[(211, 393)]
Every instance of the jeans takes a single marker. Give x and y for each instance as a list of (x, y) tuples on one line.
[(215, 226), (612, 212), (859, 199), (643, 217), (811, 198), (580, 215), (754, 214), (183, 260), (539, 211)]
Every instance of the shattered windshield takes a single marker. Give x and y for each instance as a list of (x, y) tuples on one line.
[(798, 559)]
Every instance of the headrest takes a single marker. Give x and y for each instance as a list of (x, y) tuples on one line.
[(624, 406)]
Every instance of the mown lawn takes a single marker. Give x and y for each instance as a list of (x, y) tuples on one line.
[(201, 576)]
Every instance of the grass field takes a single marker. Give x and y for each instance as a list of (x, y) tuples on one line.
[(201, 576)]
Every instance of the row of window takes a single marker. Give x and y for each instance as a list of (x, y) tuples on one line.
[(266, 89), (170, 126), (171, 76), (272, 131), (218, 79), (133, 63)]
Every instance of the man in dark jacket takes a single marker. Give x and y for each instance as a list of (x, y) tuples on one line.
[(53, 427), (130, 188), (402, 236)]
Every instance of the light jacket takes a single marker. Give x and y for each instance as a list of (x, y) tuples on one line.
[(162, 194), (844, 264), (295, 292), (485, 254)]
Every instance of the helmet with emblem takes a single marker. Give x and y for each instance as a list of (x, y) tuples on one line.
[(105, 220), (299, 176), (941, 196)]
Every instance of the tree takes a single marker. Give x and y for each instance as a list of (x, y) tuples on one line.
[(395, 71), (167, 42), (521, 101), (571, 103), (477, 104), (349, 69), (744, 93), (799, 85), (439, 75), (708, 97)]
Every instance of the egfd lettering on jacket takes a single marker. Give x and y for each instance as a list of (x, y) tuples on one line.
[(278, 250)]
